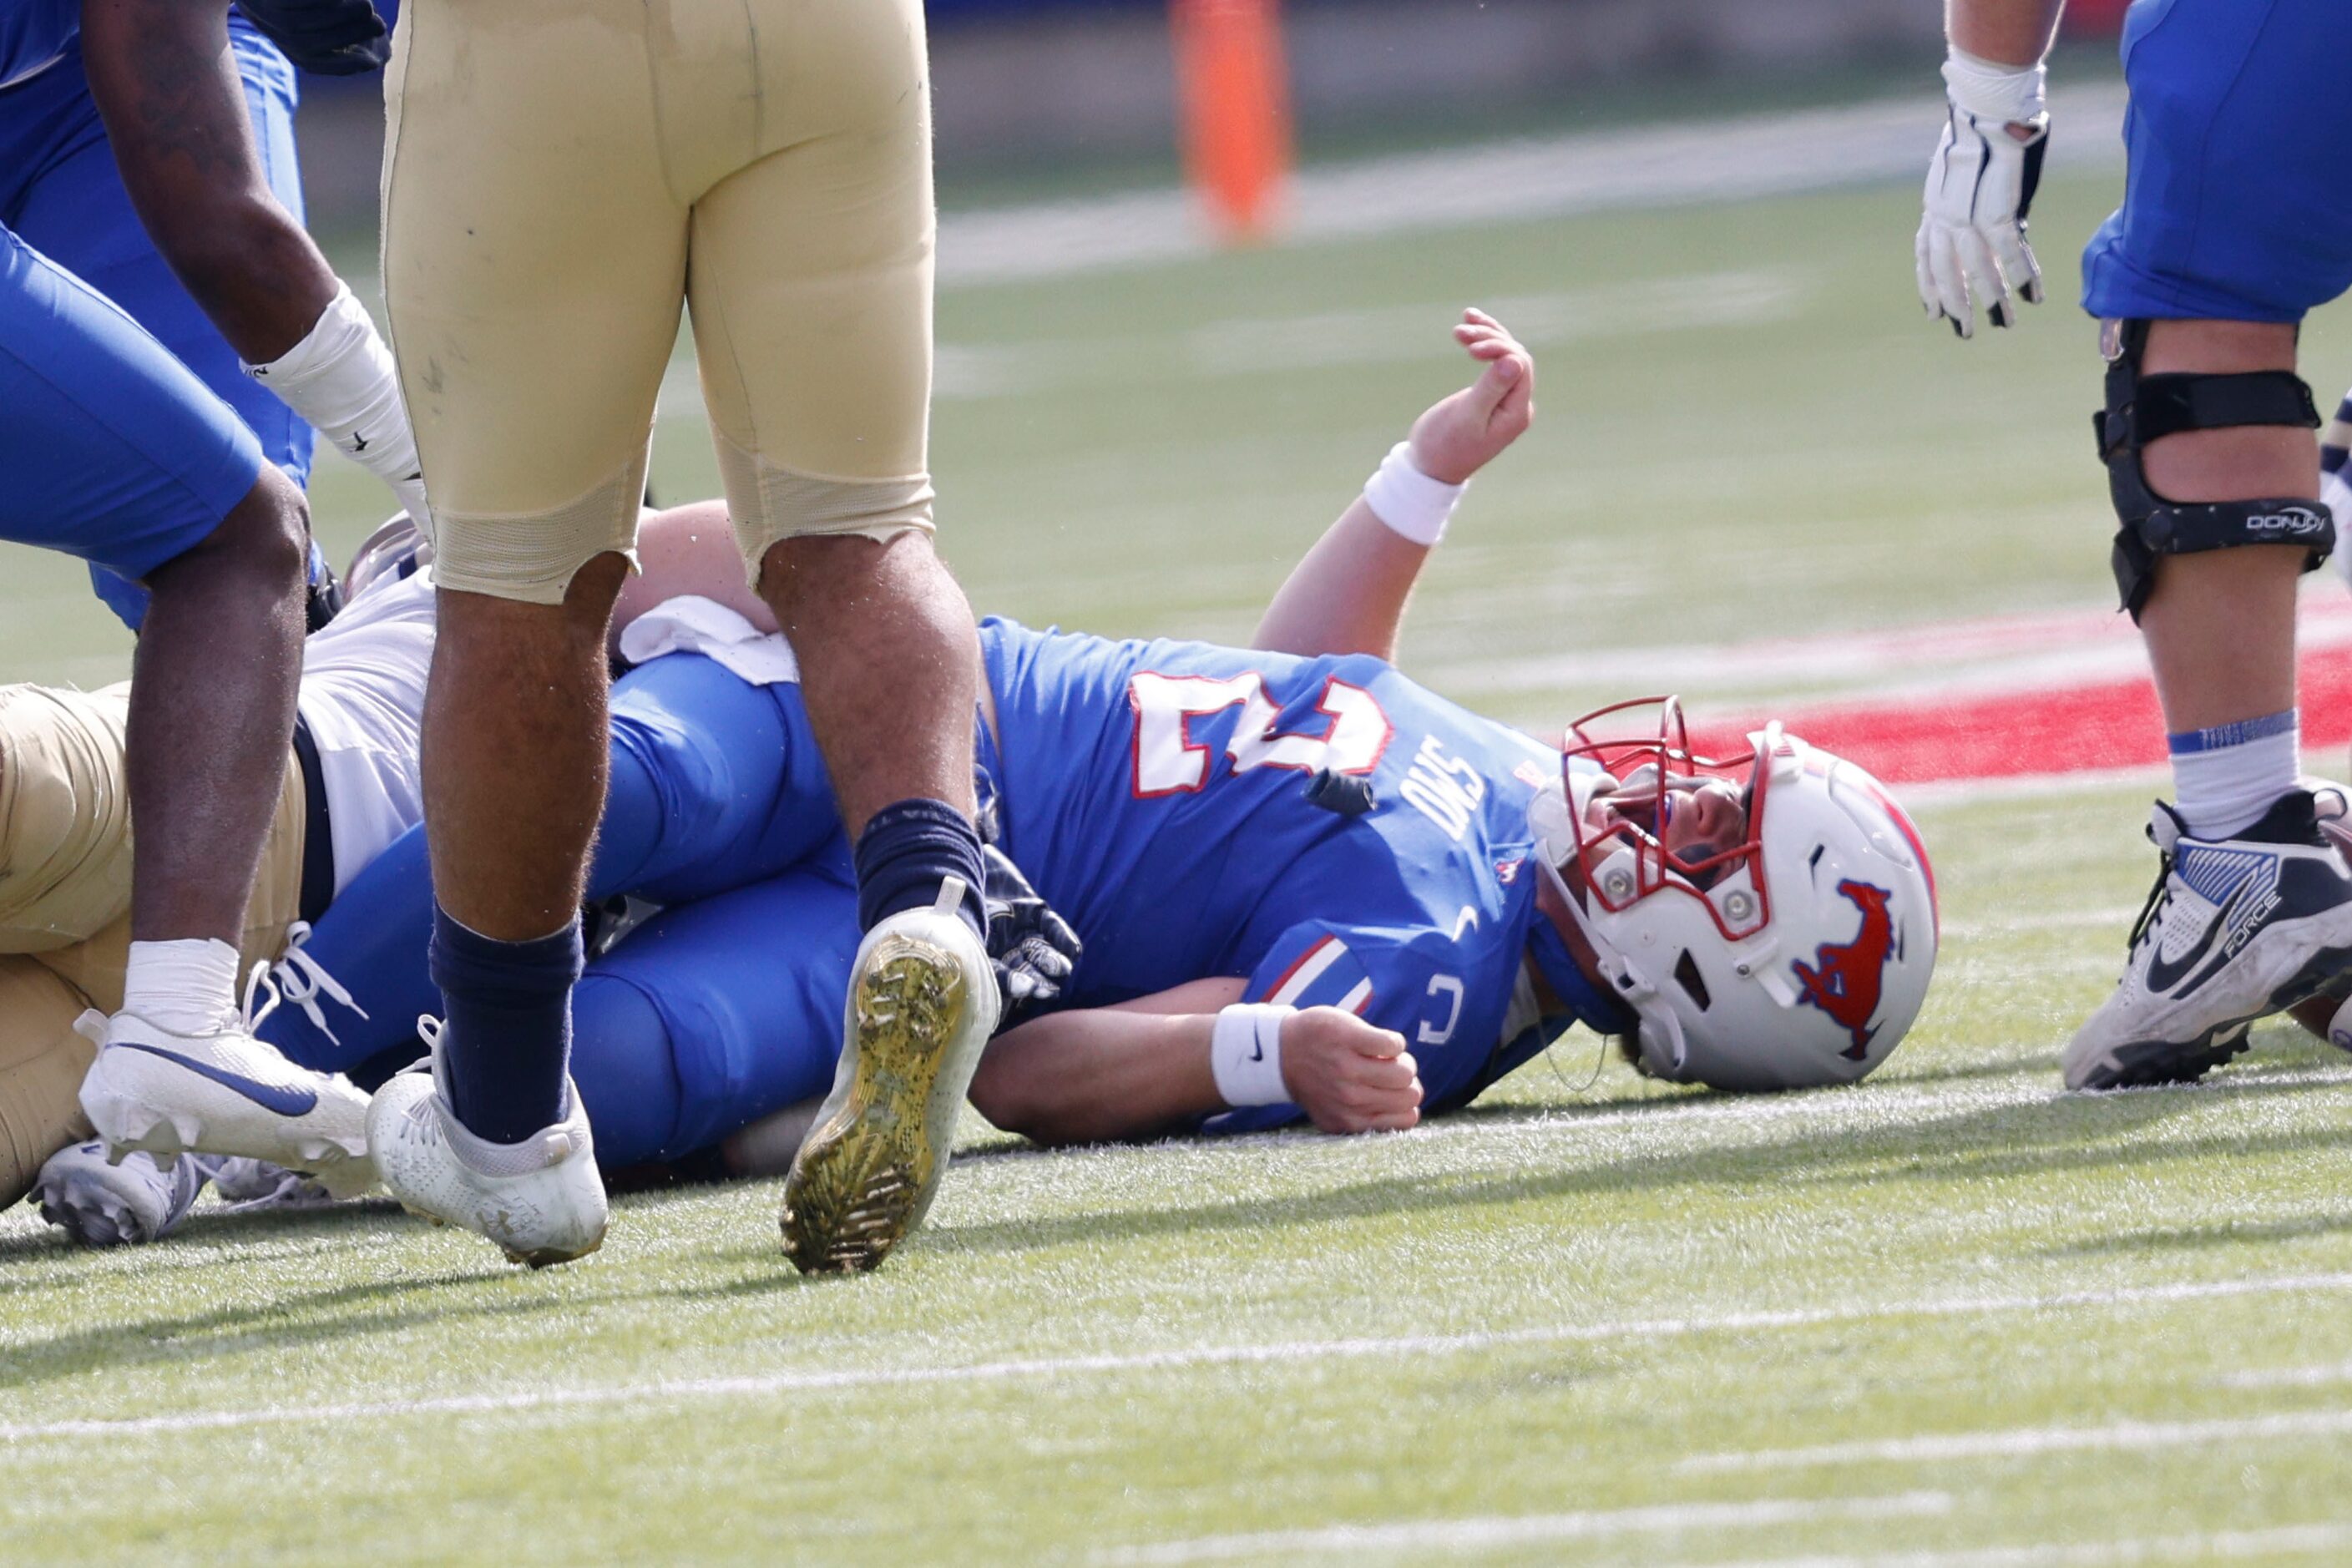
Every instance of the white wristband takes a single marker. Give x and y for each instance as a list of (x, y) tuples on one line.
[(1246, 1054), (2003, 95), (1411, 504)]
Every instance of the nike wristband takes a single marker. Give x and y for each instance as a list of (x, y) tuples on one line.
[(1413, 504), (1246, 1054)]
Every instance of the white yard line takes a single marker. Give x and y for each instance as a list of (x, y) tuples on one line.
[(2023, 1442), (2224, 1545), (1679, 164), (2333, 1376), (1494, 1532), (1046, 1370)]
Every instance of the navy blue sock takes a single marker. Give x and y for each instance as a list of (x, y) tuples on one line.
[(507, 1040), (905, 852)]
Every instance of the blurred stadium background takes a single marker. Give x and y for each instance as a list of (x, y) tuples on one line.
[(1950, 1319)]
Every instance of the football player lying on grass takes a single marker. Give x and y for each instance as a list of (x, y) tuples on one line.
[(1309, 888)]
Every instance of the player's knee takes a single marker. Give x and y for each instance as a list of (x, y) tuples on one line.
[(577, 554), (2233, 456), (803, 533), (266, 535)]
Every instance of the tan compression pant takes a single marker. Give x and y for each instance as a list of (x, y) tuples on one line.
[(42, 1061), (561, 175), (65, 840), (65, 904)]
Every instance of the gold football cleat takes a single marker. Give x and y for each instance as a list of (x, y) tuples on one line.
[(923, 1004)]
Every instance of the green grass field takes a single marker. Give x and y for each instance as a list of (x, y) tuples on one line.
[(1951, 1317)]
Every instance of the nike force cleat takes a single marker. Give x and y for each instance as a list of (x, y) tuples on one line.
[(540, 1200), (923, 1003), (102, 1203), (223, 1093), (2234, 930)]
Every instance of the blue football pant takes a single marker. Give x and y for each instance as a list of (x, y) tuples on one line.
[(111, 450), (716, 785), (62, 193), (2233, 199)]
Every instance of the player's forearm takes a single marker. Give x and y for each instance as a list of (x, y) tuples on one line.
[(166, 84), (1100, 1075), (2007, 32), (1348, 594)]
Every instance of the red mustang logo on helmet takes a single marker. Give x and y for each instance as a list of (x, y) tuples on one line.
[(1844, 978)]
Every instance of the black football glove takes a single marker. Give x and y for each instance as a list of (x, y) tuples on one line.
[(332, 37), (1032, 948)]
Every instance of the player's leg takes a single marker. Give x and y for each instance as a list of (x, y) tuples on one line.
[(320, 354), (116, 454), (2229, 231), (534, 266), (811, 292), (42, 1061), (714, 1015), (715, 783)]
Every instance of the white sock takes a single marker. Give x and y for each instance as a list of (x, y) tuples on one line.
[(188, 987), (2228, 775), (341, 378)]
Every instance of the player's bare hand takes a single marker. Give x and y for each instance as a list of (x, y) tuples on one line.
[(1462, 434), (1347, 1075)]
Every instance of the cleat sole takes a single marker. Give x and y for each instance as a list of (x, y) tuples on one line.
[(867, 1171), (2149, 1064)]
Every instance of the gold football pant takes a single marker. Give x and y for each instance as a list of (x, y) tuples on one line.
[(561, 175), (65, 904)]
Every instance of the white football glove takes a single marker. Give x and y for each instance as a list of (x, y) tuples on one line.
[(1979, 187)]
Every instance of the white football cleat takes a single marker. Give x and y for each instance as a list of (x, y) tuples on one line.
[(249, 1186), (102, 1203), (2234, 930), (223, 1093), (540, 1200), (923, 1004)]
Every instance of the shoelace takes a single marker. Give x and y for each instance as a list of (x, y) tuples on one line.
[(2152, 911), (300, 979)]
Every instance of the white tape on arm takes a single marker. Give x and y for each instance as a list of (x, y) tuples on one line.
[(1411, 503), (2003, 95), (1246, 1054), (341, 379)]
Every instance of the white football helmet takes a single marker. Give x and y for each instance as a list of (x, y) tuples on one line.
[(1797, 956)]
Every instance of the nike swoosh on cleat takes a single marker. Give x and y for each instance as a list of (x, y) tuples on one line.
[(269, 1096), (2163, 977)]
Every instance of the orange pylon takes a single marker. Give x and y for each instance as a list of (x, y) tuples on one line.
[(1234, 101)]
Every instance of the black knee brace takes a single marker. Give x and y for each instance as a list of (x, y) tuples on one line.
[(2141, 409)]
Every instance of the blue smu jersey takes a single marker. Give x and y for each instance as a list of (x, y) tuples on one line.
[(33, 33), (1186, 808)]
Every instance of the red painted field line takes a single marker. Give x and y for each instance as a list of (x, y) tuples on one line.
[(2058, 730)]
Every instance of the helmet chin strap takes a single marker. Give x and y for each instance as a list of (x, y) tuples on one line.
[(1625, 983)]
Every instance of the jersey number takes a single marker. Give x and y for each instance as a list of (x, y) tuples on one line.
[(1168, 761)]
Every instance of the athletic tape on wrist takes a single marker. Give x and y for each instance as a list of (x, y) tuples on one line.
[(1246, 1054), (1413, 504), (2005, 95)]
